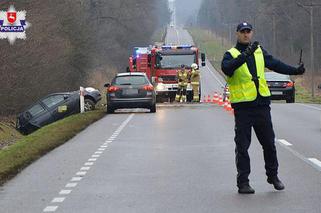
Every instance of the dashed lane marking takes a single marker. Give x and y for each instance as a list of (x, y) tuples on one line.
[(58, 200), (76, 179), (50, 209), (284, 142), (316, 162), (83, 170), (65, 192), (71, 185)]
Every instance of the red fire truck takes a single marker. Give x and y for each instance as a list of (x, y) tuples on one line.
[(161, 65)]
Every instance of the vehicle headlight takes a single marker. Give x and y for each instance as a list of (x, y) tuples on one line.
[(160, 86)]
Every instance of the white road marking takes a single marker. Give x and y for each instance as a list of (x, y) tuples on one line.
[(76, 179), (50, 209), (58, 200), (85, 168), (71, 185), (311, 107), (218, 80), (315, 162), (65, 192), (83, 173), (284, 142)]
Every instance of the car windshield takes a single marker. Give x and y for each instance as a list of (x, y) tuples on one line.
[(130, 80), (272, 76), (175, 61)]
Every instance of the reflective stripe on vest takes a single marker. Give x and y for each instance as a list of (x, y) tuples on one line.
[(241, 86)]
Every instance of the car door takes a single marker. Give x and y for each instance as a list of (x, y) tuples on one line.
[(58, 105), (38, 115)]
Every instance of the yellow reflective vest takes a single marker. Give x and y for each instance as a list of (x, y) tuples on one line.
[(241, 85), (182, 77), (195, 77)]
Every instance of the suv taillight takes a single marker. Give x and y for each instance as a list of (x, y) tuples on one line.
[(112, 89), (148, 88), (290, 84)]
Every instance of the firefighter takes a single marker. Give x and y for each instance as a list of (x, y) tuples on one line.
[(244, 67), (195, 82), (182, 78)]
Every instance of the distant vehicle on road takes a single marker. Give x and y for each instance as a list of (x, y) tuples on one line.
[(130, 90), (161, 65), (54, 107), (281, 86)]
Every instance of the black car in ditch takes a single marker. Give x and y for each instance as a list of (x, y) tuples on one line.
[(54, 107), (281, 87), (130, 90)]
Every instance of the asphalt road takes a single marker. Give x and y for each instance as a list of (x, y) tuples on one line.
[(179, 160)]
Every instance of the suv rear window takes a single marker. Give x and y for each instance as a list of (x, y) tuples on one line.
[(130, 80)]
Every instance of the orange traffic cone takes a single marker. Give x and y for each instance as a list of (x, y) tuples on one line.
[(220, 101), (215, 98), (226, 103), (208, 99), (229, 107)]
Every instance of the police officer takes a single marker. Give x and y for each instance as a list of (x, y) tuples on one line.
[(244, 67), (195, 82), (182, 78)]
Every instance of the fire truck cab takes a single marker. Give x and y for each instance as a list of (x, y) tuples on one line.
[(161, 65)]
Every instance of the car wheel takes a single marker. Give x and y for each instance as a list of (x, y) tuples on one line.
[(89, 105), (153, 108), (291, 99)]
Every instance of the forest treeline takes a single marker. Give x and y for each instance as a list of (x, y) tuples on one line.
[(72, 43), (281, 26)]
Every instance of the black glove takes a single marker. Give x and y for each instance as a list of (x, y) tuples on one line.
[(251, 49), (300, 70)]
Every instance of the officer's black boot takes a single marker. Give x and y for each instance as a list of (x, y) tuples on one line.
[(245, 189), (278, 185)]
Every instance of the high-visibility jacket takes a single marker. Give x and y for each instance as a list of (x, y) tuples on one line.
[(182, 77), (195, 77), (242, 84)]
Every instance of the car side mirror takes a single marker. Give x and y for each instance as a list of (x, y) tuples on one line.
[(203, 57), (66, 97), (107, 85)]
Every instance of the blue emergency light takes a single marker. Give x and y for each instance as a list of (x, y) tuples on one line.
[(167, 47)]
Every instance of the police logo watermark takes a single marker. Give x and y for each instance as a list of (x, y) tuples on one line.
[(13, 24)]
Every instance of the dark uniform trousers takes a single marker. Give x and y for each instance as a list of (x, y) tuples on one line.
[(259, 118)]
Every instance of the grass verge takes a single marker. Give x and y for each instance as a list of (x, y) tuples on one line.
[(29, 148)]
